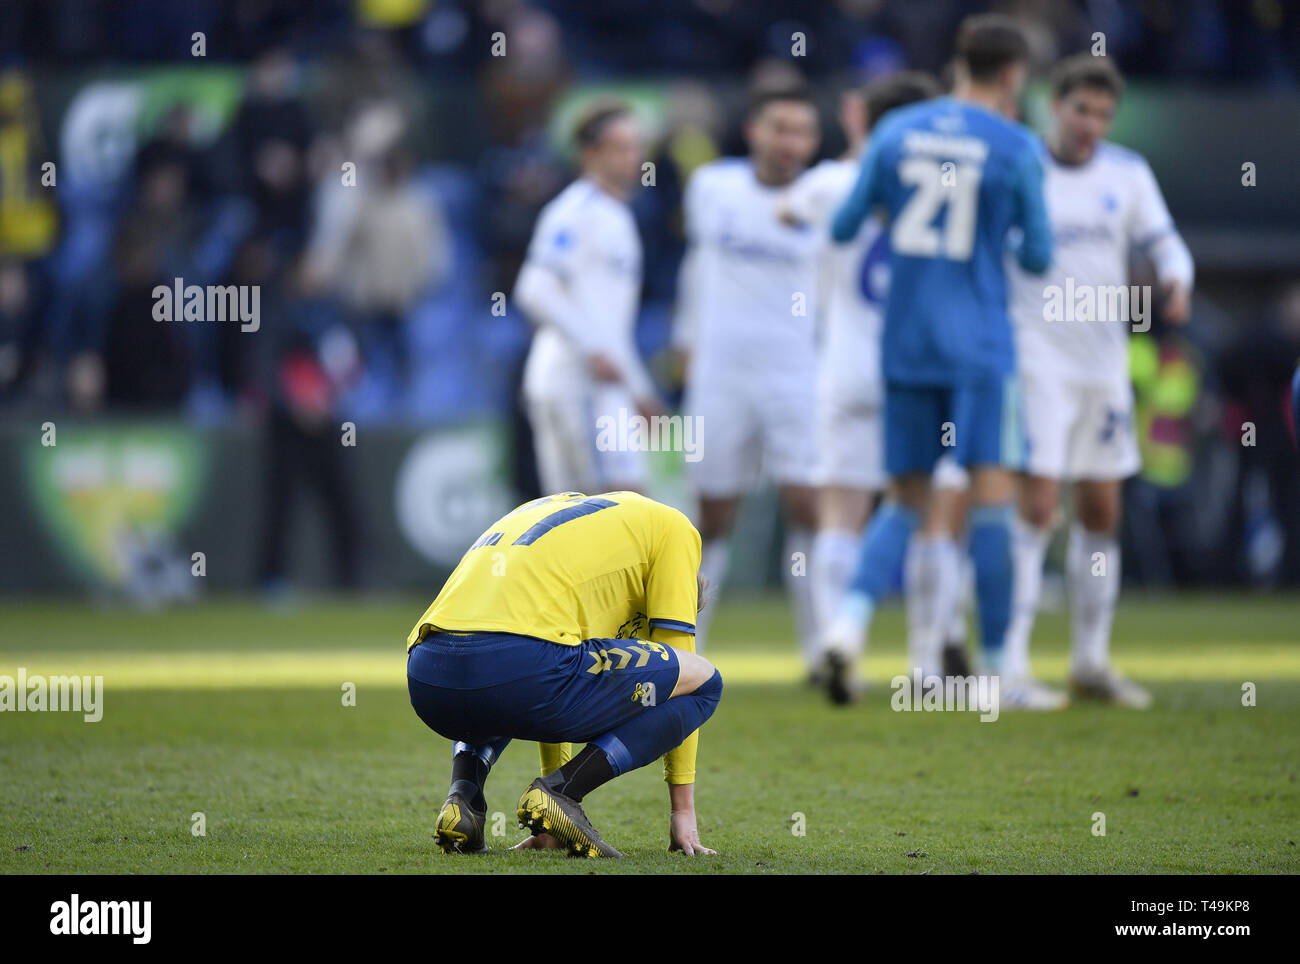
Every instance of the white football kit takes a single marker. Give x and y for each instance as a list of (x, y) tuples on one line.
[(746, 309), (855, 281), (1072, 352), (580, 285)]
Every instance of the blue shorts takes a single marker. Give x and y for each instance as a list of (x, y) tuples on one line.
[(481, 687), (979, 424)]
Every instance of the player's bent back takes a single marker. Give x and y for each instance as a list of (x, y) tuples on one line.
[(571, 619)]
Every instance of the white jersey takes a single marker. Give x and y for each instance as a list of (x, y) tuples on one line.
[(855, 281), (747, 300), (1098, 212), (588, 240)]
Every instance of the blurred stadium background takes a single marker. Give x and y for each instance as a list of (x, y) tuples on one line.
[(377, 301)]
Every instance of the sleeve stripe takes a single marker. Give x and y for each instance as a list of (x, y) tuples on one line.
[(674, 624)]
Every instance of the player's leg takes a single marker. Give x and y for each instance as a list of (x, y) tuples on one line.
[(552, 756), (880, 555), (851, 457), (993, 445), (647, 733), (723, 471), (459, 825), (1031, 533), (851, 470), (1102, 453), (948, 508), (717, 517), (987, 427), (633, 731), (842, 514), (1053, 418), (800, 505), (563, 439), (912, 445), (786, 413), (956, 660), (933, 580), (992, 493), (997, 451), (1093, 570)]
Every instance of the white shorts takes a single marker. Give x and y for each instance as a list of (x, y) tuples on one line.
[(1079, 431), (948, 474), (569, 458), (748, 426), (851, 442)]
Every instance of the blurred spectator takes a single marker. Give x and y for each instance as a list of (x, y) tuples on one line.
[(1255, 370), (146, 363), (381, 241), (226, 168), (272, 133), (17, 325), (303, 453)]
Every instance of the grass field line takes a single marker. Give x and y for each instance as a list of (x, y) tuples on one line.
[(217, 669)]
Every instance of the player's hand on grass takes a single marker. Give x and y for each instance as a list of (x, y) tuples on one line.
[(683, 836), (1178, 303), (538, 841)]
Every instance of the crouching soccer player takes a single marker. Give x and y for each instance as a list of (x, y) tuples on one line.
[(571, 619)]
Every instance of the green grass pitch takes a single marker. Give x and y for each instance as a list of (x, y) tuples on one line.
[(235, 711)]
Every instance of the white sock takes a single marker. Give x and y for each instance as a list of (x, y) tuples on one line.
[(957, 630), (799, 540), (834, 557), (1093, 568), (933, 572), (1028, 550), (713, 567)]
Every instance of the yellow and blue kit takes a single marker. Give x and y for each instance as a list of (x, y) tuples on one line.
[(560, 624)]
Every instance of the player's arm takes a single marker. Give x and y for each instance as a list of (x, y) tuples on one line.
[(679, 763), (625, 356), (554, 755), (1035, 249), (543, 291), (1152, 230), (672, 601), (679, 770), (543, 294), (637, 378), (864, 196)]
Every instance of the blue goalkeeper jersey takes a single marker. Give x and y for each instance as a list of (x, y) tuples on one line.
[(955, 179)]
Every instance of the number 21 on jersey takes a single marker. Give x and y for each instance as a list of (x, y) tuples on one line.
[(947, 185)]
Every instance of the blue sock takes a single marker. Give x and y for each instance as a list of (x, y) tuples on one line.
[(470, 766), (990, 552), (645, 738), (487, 753), (883, 547)]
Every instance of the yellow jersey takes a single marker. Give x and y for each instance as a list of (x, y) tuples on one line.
[(570, 567)]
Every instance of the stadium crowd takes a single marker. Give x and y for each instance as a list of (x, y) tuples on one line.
[(377, 293)]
